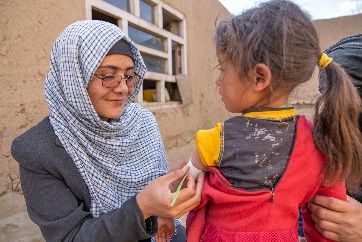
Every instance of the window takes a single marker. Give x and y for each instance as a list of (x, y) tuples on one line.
[(176, 58), (97, 15), (173, 92), (146, 39), (147, 11), (159, 32), (122, 4), (150, 91), (154, 63), (170, 22)]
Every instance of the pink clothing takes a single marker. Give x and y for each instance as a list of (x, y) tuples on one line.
[(230, 214)]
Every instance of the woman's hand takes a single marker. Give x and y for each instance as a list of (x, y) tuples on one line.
[(155, 198), (336, 219)]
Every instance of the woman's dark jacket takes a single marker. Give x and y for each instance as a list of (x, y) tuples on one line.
[(58, 199)]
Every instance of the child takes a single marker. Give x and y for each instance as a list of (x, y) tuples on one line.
[(261, 165)]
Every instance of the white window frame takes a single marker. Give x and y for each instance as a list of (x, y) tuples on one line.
[(156, 28)]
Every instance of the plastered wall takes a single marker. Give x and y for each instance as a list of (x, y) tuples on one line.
[(27, 30)]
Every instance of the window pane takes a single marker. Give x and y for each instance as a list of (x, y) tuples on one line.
[(176, 58), (146, 11), (96, 15), (146, 39), (170, 22), (154, 64), (122, 4), (173, 92), (149, 91)]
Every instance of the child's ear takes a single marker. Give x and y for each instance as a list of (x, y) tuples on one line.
[(261, 77)]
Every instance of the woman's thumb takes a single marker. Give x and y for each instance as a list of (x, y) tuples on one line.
[(176, 174)]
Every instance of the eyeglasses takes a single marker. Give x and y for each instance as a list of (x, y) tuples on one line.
[(112, 81)]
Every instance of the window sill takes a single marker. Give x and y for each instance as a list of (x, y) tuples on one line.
[(157, 106)]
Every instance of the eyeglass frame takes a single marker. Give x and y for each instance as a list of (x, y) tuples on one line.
[(121, 78)]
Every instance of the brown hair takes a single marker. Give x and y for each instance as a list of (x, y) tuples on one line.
[(278, 34), (336, 131)]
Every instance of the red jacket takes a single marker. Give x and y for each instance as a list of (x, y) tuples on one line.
[(230, 214)]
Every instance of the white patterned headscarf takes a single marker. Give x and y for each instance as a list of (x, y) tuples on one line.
[(118, 158)]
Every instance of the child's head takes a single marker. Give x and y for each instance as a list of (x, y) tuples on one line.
[(274, 44), (270, 50)]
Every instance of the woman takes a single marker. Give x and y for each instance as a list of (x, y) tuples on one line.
[(336, 219), (83, 168)]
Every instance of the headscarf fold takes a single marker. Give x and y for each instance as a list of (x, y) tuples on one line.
[(116, 159)]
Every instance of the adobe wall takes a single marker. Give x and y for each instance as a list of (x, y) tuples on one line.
[(27, 30)]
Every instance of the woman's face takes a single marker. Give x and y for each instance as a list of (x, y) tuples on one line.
[(109, 102)]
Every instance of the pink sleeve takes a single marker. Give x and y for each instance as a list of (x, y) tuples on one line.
[(337, 190)]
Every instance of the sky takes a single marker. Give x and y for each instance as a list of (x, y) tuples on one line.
[(318, 9)]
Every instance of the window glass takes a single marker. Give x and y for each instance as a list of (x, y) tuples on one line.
[(170, 22), (149, 91), (97, 15), (176, 58), (154, 63), (146, 39), (173, 92), (146, 11), (122, 4)]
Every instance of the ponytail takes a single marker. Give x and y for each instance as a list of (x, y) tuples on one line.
[(336, 131)]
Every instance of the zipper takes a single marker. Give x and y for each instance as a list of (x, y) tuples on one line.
[(288, 162), (272, 195)]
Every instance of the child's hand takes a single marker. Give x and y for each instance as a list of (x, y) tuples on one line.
[(166, 229)]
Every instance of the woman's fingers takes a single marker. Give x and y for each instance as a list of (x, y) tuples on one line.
[(337, 219), (330, 203), (192, 193), (328, 234), (155, 198), (325, 224), (187, 192), (174, 175), (324, 213), (189, 197)]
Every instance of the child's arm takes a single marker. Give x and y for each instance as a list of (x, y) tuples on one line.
[(195, 164), (195, 167), (166, 229), (206, 153)]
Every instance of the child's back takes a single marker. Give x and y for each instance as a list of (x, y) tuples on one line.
[(260, 166), (266, 169)]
